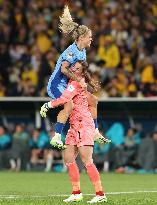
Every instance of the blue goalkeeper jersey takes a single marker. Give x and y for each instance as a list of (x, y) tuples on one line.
[(58, 81)]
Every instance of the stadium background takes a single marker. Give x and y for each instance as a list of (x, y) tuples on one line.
[(123, 56)]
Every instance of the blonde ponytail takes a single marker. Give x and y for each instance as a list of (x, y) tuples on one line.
[(67, 25)]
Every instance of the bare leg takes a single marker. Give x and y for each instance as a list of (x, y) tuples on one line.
[(70, 154), (86, 154)]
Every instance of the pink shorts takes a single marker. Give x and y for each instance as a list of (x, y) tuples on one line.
[(83, 137)]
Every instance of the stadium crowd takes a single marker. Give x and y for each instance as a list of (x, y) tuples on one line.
[(131, 150), (123, 55)]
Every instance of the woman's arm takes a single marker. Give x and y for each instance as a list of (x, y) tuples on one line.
[(67, 96), (66, 71)]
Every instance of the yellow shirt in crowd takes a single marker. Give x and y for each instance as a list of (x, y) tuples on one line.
[(110, 55), (32, 75), (43, 42), (147, 74)]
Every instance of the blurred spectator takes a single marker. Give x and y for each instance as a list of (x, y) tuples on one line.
[(53, 156), (38, 143), (147, 74), (154, 61), (100, 156), (126, 153), (29, 73), (5, 143), (147, 154), (116, 134), (5, 139), (107, 51), (20, 151), (27, 87), (2, 90)]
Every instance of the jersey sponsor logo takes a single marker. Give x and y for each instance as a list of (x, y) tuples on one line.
[(70, 88), (70, 55)]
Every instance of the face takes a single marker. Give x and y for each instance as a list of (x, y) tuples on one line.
[(155, 136), (2, 132), (36, 134), (19, 129), (86, 39), (130, 132), (77, 68)]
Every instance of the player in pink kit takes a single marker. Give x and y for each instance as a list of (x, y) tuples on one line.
[(80, 137), (82, 127)]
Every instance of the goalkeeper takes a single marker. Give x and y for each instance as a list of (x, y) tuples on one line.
[(80, 137)]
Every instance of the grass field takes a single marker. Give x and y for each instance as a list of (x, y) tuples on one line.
[(51, 188)]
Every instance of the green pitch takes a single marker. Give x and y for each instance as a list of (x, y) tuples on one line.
[(49, 188)]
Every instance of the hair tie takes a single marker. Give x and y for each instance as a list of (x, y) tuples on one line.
[(72, 30)]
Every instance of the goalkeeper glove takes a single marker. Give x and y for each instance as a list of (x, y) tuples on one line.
[(44, 109)]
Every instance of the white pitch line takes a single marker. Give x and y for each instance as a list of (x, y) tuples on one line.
[(64, 195)]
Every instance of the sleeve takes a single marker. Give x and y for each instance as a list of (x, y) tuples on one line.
[(68, 55), (67, 95)]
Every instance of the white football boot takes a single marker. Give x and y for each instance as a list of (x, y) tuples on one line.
[(74, 198), (57, 142), (98, 199)]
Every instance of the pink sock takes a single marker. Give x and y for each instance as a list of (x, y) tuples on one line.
[(74, 176), (95, 178)]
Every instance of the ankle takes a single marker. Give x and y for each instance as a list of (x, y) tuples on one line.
[(100, 193), (76, 192)]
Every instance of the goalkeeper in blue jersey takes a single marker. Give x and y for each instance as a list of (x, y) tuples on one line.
[(58, 81)]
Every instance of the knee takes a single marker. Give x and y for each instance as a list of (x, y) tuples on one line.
[(87, 161), (69, 159)]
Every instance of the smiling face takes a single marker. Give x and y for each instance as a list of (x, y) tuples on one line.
[(77, 68)]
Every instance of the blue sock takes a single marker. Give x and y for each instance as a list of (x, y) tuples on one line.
[(96, 123), (59, 127)]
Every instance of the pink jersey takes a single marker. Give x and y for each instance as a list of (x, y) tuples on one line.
[(80, 115), (82, 129)]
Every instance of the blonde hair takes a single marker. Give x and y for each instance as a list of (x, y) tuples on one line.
[(67, 25)]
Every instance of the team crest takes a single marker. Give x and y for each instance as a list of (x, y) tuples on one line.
[(70, 55), (70, 88)]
